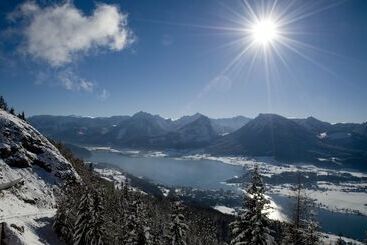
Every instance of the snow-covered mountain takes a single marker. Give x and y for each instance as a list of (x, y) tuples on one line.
[(268, 135), (296, 140), (31, 171), (123, 130), (306, 139)]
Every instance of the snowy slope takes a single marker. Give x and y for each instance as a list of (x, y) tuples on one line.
[(31, 169)]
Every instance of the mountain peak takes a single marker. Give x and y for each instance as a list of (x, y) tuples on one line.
[(142, 114)]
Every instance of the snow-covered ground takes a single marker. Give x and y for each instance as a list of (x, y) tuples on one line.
[(224, 209), (334, 198), (27, 205), (332, 239), (117, 177)]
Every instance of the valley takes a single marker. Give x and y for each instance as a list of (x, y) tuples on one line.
[(340, 195)]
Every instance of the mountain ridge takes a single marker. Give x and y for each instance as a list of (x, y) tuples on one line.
[(272, 135)]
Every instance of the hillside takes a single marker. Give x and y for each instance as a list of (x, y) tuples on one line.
[(296, 140), (31, 171), (268, 135)]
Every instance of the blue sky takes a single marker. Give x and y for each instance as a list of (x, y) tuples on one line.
[(169, 58)]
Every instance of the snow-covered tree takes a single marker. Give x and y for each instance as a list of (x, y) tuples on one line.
[(252, 224), (303, 229), (177, 228), (340, 241), (95, 234), (311, 234), (82, 223), (132, 224)]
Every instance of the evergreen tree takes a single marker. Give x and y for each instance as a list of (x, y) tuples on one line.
[(22, 115), (340, 241), (303, 229), (132, 236), (95, 234), (312, 236), (177, 227), (145, 233), (251, 226), (3, 104), (82, 224)]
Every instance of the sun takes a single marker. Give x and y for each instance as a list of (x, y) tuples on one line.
[(264, 32)]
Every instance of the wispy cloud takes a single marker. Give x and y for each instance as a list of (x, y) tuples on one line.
[(70, 81), (58, 34)]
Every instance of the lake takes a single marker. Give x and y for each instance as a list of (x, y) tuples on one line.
[(209, 174), (204, 174)]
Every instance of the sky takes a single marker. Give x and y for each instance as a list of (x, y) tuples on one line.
[(175, 58)]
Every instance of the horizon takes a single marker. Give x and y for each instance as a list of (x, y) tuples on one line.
[(181, 58), (174, 119)]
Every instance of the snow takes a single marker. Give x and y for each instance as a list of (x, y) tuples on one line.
[(112, 175), (334, 198), (224, 209), (274, 211), (29, 204), (102, 148), (322, 135), (331, 239), (164, 191)]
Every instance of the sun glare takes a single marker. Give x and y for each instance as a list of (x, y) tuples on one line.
[(264, 32)]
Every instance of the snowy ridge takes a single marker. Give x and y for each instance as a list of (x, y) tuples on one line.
[(31, 170)]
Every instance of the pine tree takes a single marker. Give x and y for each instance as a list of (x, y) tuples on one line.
[(177, 227), (3, 104), (340, 241), (312, 236), (132, 225), (11, 111), (95, 234), (251, 226), (303, 229), (144, 231), (82, 224), (22, 116)]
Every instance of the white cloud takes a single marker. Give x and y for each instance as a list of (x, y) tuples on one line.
[(70, 81), (59, 33)]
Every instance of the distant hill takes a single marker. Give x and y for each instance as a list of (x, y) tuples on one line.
[(228, 125), (75, 129), (140, 130), (296, 140), (195, 134), (314, 125), (308, 140), (268, 135)]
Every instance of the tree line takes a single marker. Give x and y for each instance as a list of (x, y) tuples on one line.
[(4, 106)]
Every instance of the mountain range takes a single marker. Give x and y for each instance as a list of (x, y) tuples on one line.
[(270, 135)]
